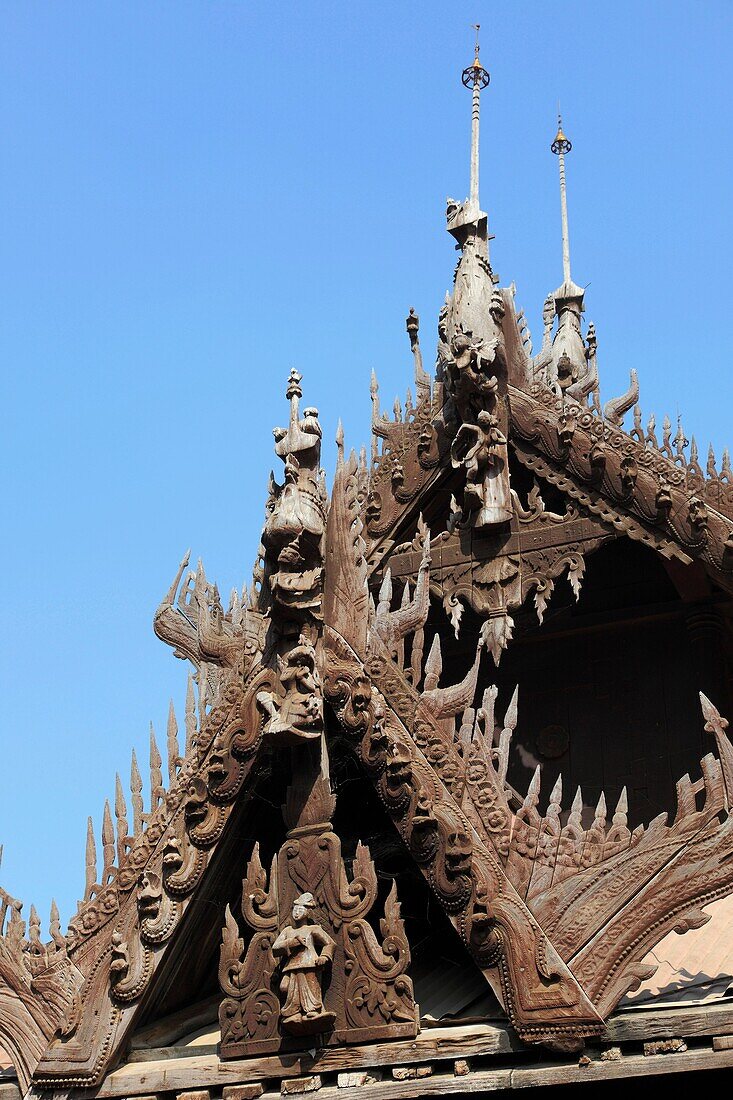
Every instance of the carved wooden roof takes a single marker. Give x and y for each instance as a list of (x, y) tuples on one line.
[(557, 915)]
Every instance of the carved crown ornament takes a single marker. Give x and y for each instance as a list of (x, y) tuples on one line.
[(338, 629)]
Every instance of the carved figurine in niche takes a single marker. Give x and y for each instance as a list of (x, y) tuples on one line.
[(298, 714), (480, 449), (294, 527), (304, 950)]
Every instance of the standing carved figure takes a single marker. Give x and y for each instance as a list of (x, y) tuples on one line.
[(305, 950), (480, 449)]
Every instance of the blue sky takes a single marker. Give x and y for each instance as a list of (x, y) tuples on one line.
[(196, 197)]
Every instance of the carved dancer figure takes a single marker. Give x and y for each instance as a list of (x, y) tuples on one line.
[(470, 380), (298, 715), (305, 949), (480, 449)]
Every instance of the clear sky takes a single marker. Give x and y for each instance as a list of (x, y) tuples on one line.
[(195, 197)]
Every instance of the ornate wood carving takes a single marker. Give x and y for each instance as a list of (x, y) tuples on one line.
[(557, 914), (314, 966)]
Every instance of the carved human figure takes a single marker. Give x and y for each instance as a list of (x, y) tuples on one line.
[(304, 950), (470, 378), (480, 449), (298, 715), (296, 514)]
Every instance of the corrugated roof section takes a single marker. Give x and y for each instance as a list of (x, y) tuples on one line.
[(694, 967)]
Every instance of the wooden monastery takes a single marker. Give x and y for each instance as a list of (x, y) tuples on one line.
[(454, 768)]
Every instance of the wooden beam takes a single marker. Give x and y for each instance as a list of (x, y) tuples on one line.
[(152, 1071), (195, 1073)]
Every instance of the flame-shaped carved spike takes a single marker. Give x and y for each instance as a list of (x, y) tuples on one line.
[(108, 843), (502, 755), (694, 457), (34, 928), (685, 798), (711, 775), (157, 790), (174, 758), (408, 400), (637, 419), (54, 925), (576, 810), (510, 718), (725, 467), (679, 440), (385, 590), (622, 808), (465, 732), (711, 466), (236, 607), (340, 441), (121, 815), (169, 598), (488, 703), (555, 804), (190, 716), (90, 861), (400, 646), (433, 665), (533, 790), (397, 408), (601, 809), (667, 437), (136, 786), (717, 725)]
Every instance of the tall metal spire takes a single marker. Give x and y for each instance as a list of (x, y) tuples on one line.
[(560, 147), (476, 77)]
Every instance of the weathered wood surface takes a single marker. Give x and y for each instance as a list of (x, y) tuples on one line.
[(159, 1077), (155, 1070), (557, 912), (164, 1032), (668, 1023)]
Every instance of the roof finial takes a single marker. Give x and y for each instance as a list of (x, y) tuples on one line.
[(560, 147), (475, 76)]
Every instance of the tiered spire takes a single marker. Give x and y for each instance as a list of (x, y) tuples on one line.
[(568, 364)]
